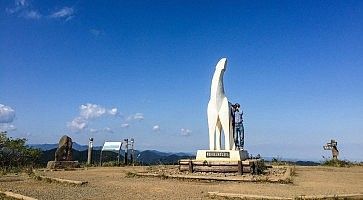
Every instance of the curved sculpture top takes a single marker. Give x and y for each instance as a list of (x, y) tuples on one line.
[(219, 112)]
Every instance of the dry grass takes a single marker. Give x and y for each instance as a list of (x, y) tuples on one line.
[(117, 183)]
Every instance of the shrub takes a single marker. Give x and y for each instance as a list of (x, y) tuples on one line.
[(111, 164), (15, 155), (337, 163)]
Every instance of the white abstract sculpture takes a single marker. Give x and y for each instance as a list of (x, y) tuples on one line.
[(219, 111)]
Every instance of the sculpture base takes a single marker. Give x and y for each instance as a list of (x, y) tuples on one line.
[(221, 155), (62, 164)]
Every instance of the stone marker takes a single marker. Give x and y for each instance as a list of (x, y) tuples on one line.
[(63, 155)]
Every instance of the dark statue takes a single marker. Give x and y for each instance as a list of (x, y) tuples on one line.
[(64, 150), (63, 155)]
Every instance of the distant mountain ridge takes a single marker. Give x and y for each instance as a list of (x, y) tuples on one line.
[(75, 145), (79, 147), (146, 157)]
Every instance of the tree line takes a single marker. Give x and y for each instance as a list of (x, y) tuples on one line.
[(15, 155)]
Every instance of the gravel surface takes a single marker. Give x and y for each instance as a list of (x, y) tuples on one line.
[(113, 183)]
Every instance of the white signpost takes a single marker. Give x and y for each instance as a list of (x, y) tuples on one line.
[(111, 146)]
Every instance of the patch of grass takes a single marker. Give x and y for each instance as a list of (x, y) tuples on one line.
[(16, 170), (337, 163), (293, 171), (130, 175), (10, 170), (111, 164), (261, 167), (288, 180), (88, 165), (263, 180), (39, 178), (278, 161), (163, 176), (4, 197), (149, 168)]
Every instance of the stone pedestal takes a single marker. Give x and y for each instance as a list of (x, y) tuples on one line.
[(221, 155), (62, 164)]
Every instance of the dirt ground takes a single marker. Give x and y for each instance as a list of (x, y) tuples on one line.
[(113, 183)]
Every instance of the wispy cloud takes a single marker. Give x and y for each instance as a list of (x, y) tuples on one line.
[(137, 117), (22, 8), (7, 114), (7, 127), (93, 130), (185, 132), (91, 111), (66, 13), (21, 2), (108, 129), (96, 32), (88, 112), (113, 111), (125, 125), (77, 124), (18, 6), (156, 128), (32, 14)]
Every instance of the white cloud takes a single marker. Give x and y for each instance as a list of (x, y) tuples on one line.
[(87, 112), (77, 124), (21, 2), (32, 14), (91, 111), (185, 132), (7, 127), (125, 125), (93, 130), (66, 13), (7, 114), (108, 129), (156, 128), (18, 7), (136, 117), (139, 116), (113, 111), (23, 8)]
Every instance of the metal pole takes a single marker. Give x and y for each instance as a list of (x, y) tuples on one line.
[(101, 158), (132, 152), (90, 150), (118, 157), (126, 150)]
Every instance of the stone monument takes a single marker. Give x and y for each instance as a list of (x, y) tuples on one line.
[(63, 155), (220, 120)]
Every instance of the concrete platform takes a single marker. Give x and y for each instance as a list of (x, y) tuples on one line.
[(62, 164), (222, 155)]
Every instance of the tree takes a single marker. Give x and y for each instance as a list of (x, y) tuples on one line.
[(14, 154)]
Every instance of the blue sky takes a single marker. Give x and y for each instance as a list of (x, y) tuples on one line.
[(119, 69)]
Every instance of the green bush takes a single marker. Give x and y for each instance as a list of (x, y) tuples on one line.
[(337, 163), (15, 155), (111, 164)]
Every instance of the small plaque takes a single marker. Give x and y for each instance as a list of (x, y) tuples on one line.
[(213, 154)]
